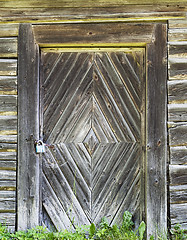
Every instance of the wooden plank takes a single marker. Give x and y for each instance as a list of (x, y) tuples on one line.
[(7, 147), (8, 85), (8, 103), (7, 201), (178, 155), (178, 214), (178, 49), (178, 23), (8, 219), (91, 34), (177, 68), (178, 174), (177, 112), (7, 175), (7, 155), (8, 47), (177, 35), (7, 165), (177, 91), (7, 185), (156, 197), (28, 129), (9, 30), (8, 138), (8, 67), (177, 133), (8, 123), (178, 194), (82, 3)]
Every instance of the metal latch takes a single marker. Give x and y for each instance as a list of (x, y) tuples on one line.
[(40, 146)]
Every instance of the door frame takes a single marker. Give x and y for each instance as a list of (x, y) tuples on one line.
[(152, 36)]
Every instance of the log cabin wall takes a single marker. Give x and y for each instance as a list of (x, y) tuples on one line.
[(174, 14)]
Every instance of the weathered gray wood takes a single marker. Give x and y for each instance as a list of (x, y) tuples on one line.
[(8, 103), (8, 47), (123, 11), (5, 146), (177, 112), (7, 175), (178, 49), (178, 155), (175, 35), (177, 133), (8, 67), (7, 155), (156, 208), (7, 185), (8, 85), (177, 68), (178, 174), (178, 23), (82, 3), (7, 201), (178, 214), (7, 165), (66, 34), (178, 194), (8, 219), (8, 138), (8, 123), (28, 129), (177, 91), (9, 30)]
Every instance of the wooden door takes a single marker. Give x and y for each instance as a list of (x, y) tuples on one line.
[(93, 124)]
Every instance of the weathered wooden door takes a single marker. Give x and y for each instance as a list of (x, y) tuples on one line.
[(93, 123), (102, 111)]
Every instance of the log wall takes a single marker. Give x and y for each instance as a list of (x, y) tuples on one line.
[(177, 120), (8, 123), (177, 94)]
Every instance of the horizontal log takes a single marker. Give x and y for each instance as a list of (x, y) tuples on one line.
[(8, 85), (83, 3), (8, 103), (178, 155), (178, 23), (8, 219), (178, 194), (178, 213), (9, 30), (7, 165), (7, 146), (8, 47), (7, 185), (178, 174), (8, 138), (8, 123), (8, 67), (177, 35), (177, 68), (177, 133), (177, 112), (7, 175), (178, 49), (177, 90), (7, 205), (66, 34)]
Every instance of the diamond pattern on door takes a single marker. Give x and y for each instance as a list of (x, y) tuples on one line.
[(92, 123)]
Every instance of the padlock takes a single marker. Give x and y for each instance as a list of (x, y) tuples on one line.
[(40, 147)]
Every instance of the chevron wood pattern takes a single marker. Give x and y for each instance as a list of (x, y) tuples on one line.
[(92, 108)]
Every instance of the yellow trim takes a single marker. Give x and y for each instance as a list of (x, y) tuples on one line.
[(8, 113), (8, 132), (99, 20), (93, 49)]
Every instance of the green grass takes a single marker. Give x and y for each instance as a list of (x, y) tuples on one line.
[(90, 232)]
